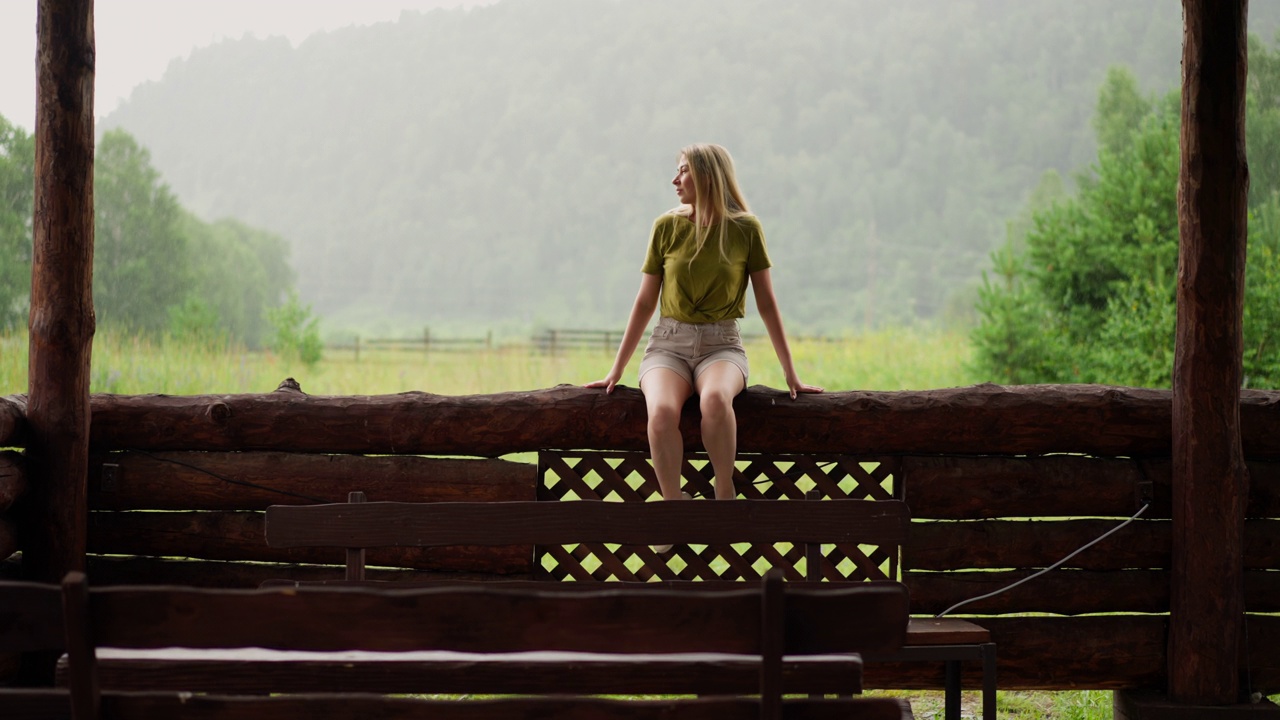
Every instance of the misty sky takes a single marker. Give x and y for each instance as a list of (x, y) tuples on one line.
[(136, 39)]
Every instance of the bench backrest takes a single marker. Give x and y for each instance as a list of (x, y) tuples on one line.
[(765, 621), (357, 525)]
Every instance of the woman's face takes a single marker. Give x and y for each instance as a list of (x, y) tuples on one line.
[(684, 182)]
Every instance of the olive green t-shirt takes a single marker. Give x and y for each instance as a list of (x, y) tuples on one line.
[(703, 287)]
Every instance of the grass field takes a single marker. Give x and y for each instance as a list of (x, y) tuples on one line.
[(882, 360)]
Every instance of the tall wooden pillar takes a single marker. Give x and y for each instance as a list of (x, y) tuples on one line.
[(62, 319), (1210, 483)]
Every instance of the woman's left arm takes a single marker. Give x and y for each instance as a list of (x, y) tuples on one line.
[(767, 305)]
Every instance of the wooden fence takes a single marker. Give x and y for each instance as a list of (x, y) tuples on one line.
[(547, 341), (1001, 482)]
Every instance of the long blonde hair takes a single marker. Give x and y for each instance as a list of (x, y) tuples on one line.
[(716, 192)]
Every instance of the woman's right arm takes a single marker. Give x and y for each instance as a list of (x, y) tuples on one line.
[(641, 311)]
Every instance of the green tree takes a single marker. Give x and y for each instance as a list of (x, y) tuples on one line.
[(17, 183), (141, 266), (240, 273), (296, 331), (1092, 299)]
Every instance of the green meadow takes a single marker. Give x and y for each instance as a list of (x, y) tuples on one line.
[(892, 359)]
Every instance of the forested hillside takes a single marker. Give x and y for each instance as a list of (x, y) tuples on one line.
[(503, 164)]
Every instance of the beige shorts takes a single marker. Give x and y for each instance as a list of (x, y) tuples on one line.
[(689, 349)]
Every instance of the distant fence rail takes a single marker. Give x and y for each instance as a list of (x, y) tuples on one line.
[(551, 340)]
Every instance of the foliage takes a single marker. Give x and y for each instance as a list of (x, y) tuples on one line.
[(1092, 297), (141, 266), (157, 267), (296, 334), (17, 182), (505, 162)]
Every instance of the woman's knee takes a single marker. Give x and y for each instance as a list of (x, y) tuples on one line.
[(715, 404)]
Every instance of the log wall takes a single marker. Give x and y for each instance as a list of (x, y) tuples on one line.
[(177, 487)]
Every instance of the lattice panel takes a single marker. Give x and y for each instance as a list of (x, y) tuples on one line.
[(629, 477)]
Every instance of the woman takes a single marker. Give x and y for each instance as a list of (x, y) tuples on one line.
[(702, 255)]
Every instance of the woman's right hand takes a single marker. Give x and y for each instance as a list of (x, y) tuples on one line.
[(609, 382)]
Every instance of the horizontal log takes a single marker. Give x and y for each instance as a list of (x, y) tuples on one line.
[(13, 420), (1081, 653), (982, 419), (990, 544), (1068, 592), (239, 536), (211, 573), (133, 480), (13, 478), (963, 488)]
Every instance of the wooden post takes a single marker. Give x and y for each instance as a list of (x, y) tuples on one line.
[(1210, 482), (62, 319)]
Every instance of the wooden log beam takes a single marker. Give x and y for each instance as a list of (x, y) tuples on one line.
[(1210, 483), (13, 420), (240, 536), (62, 318), (212, 573), (966, 488), (989, 545), (13, 478), (1067, 592), (983, 419), (254, 480)]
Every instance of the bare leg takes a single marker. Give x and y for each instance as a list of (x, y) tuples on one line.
[(664, 395), (717, 386)]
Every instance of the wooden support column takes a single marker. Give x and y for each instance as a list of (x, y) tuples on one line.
[(62, 319), (1210, 482)]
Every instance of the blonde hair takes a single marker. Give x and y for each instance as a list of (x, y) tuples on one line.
[(716, 192)]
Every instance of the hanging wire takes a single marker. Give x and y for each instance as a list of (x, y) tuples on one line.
[(1054, 566)]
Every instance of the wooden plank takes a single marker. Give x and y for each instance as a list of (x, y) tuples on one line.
[(13, 420), (245, 575), (476, 619), (327, 707), (1210, 482), (132, 480), (36, 703), (544, 523), (965, 488), (30, 617), (62, 319), (649, 675), (1070, 592), (13, 478), (1014, 420), (240, 536), (1038, 543)]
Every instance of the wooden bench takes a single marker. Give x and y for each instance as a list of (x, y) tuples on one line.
[(685, 638), (950, 641), (633, 628)]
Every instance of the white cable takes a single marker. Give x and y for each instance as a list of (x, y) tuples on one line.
[(1054, 566)]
